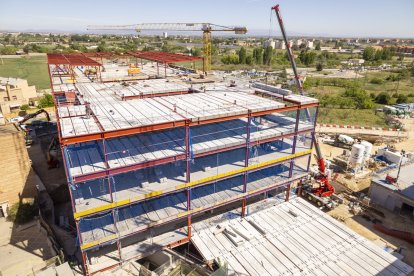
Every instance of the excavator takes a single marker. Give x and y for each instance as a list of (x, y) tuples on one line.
[(52, 161), (32, 115), (324, 189)]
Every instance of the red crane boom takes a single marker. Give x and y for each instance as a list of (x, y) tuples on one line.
[(325, 189)]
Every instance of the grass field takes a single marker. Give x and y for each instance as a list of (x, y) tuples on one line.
[(356, 117), (365, 117), (34, 69)]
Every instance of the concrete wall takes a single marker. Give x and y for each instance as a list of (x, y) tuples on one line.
[(384, 197), (15, 166)]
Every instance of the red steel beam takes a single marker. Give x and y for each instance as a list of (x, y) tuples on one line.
[(163, 57), (133, 167), (71, 59), (124, 169), (174, 218), (144, 96), (120, 132), (200, 185)]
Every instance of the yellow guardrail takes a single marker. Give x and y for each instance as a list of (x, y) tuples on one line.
[(109, 206)]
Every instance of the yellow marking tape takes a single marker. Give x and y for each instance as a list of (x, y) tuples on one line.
[(97, 242), (189, 184)]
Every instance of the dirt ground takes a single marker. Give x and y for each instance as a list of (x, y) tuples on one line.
[(408, 144), (365, 228), (392, 220)]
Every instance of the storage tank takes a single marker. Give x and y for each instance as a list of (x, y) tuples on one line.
[(368, 149), (357, 155)]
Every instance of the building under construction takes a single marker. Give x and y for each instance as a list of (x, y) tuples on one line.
[(149, 153)]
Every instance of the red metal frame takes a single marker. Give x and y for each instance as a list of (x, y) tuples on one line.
[(163, 57), (87, 59), (71, 59), (174, 218), (145, 96)]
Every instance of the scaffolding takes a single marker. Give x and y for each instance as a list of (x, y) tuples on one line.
[(146, 162)]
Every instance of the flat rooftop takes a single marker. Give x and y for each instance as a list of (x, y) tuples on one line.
[(292, 238), (112, 113), (405, 184)]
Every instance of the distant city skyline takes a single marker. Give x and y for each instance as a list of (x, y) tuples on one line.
[(350, 18)]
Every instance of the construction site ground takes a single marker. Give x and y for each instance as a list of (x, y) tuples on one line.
[(365, 228), (359, 223), (23, 248)]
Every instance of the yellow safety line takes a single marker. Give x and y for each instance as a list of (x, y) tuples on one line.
[(80, 214), (196, 210)]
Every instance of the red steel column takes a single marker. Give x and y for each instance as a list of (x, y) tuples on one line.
[(188, 213), (246, 162), (85, 264)]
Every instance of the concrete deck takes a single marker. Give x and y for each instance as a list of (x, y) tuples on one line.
[(168, 177), (129, 150), (293, 238), (159, 210)]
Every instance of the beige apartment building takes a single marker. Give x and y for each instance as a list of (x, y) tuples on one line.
[(15, 93)]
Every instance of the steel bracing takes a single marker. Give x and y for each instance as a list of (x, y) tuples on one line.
[(128, 179)]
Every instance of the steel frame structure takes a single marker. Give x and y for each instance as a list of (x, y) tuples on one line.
[(165, 59), (186, 157)]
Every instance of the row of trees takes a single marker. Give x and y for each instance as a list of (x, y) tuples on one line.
[(370, 54), (259, 56)]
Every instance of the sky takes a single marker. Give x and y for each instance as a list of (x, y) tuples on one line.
[(345, 18)]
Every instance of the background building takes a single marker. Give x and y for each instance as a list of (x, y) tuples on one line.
[(397, 197), (14, 93)]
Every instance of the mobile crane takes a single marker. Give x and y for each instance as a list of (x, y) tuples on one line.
[(324, 190)]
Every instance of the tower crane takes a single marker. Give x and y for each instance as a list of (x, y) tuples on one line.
[(206, 28), (325, 189)]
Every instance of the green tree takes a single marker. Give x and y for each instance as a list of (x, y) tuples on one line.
[(258, 55), (230, 59), (383, 98), (402, 99), (242, 55), (196, 52), (369, 53), (307, 57), (249, 60), (377, 81), (267, 56), (318, 46), (360, 97), (319, 67), (8, 50), (46, 101), (24, 107), (102, 47)]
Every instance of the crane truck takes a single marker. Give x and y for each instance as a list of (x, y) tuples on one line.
[(320, 191)]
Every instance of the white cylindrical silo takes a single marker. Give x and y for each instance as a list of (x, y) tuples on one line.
[(357, 155), (368, 149)]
